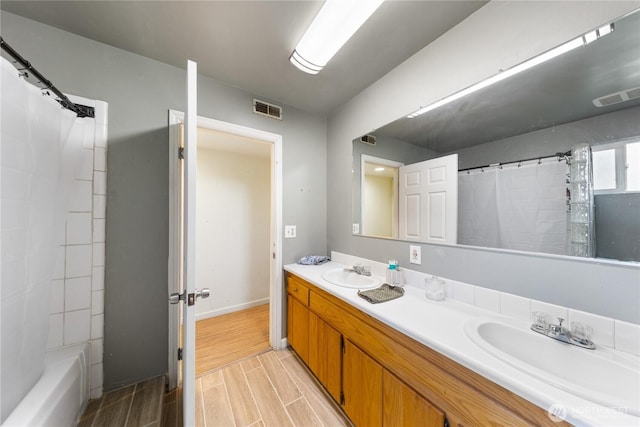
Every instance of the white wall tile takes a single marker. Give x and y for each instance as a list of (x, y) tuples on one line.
[(57, 296), (97, 349), (488, 299), (97, 302), (78, 261), (98, 254), (554, 312), (100, 159), (603, 327), (627, 336), (464, 292), (99, 182), (77, 293), (99, 230), (55, 331), (97, 326), (515, 306), (79, 229), (99, 206), (97, 280), (76, 326), (96, 375), (80, 199), (101, 113)]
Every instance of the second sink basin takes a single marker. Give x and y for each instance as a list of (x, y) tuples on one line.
[(600, 376), (350, 279)]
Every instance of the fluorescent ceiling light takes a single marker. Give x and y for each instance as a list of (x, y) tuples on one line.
[(560, 50), (380, 169), (336, 22)]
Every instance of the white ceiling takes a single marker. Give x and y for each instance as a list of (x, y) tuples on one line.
[(247, 44)]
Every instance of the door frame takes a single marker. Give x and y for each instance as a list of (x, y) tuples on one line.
[(366, 158), (176, 118)]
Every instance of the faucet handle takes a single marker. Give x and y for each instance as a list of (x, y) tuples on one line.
[(560, 320)]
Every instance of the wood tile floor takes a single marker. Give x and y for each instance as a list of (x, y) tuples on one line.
[(136, 405), (270, 389)]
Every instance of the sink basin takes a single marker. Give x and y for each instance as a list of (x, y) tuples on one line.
[(350, 279), (600, 376)]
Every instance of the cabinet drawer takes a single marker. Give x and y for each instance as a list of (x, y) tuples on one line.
[(298, 289)]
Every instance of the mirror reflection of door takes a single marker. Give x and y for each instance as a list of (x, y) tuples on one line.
[(379, 197)]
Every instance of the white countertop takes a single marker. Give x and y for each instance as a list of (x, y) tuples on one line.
[(440, 326)]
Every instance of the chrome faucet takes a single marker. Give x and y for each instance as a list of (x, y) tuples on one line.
[(363, 270), (560, 333)]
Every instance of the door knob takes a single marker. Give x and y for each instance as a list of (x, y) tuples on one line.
[(203, 293), (175, 297)]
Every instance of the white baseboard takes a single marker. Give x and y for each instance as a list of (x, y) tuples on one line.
[(231, 309)]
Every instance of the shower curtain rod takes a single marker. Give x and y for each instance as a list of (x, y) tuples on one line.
[(560, 156), (80, 110)]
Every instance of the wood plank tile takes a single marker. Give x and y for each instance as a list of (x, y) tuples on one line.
[(114, 414), (251, 363), (302, 414), (245, 411), (280, 379), (199, 417), (217, 409), (271, 409), (115, 395), (325, 409), (211, 380), (146, 407), (285, 352)]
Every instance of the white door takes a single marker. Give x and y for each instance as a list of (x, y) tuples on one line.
[(189, 294), (429, 200)]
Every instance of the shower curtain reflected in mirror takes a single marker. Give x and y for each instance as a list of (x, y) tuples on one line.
[(520, 206), (38, 160)]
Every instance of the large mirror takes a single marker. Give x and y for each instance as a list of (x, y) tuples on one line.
[(505, 134)]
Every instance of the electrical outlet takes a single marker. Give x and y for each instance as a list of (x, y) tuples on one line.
[(289, 231), (415, 254), (356, 228)]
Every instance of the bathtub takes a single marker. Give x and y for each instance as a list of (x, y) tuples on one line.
[(60, 395)]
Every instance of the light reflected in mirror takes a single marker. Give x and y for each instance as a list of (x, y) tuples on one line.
[(588, 95)]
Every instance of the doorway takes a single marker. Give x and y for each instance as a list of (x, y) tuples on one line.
[(232, 261)]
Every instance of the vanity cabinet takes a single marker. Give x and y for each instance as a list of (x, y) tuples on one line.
[(298, 317), (325, 355), (387, 378), (362, 387)]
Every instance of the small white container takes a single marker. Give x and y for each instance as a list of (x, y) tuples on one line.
[(435, 288)]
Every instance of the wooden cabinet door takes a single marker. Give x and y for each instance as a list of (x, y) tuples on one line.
[(404, 407), (362, 387), (325, 354), (298, 327)]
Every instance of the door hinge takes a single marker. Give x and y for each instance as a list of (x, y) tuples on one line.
[(181, 153), (180, 353), (446, 422), (342, 398)]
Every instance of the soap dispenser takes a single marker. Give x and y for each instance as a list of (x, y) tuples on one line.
[(394, 274)]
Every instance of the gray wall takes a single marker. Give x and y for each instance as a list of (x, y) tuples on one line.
[(140, 91), (618, 226), (498, 36)]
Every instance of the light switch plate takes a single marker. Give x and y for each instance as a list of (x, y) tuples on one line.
[(289, 231), (415, 254)]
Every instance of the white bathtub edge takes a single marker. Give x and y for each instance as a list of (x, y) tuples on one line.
[(61, 393)]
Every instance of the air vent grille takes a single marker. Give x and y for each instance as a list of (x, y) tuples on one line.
[(368, 139), (616, 98), (266, 109)]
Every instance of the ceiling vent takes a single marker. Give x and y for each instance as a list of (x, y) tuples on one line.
[(368, 139), (266, 109), (616, 98)]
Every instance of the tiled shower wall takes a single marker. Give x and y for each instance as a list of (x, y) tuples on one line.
[(77, 297)]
